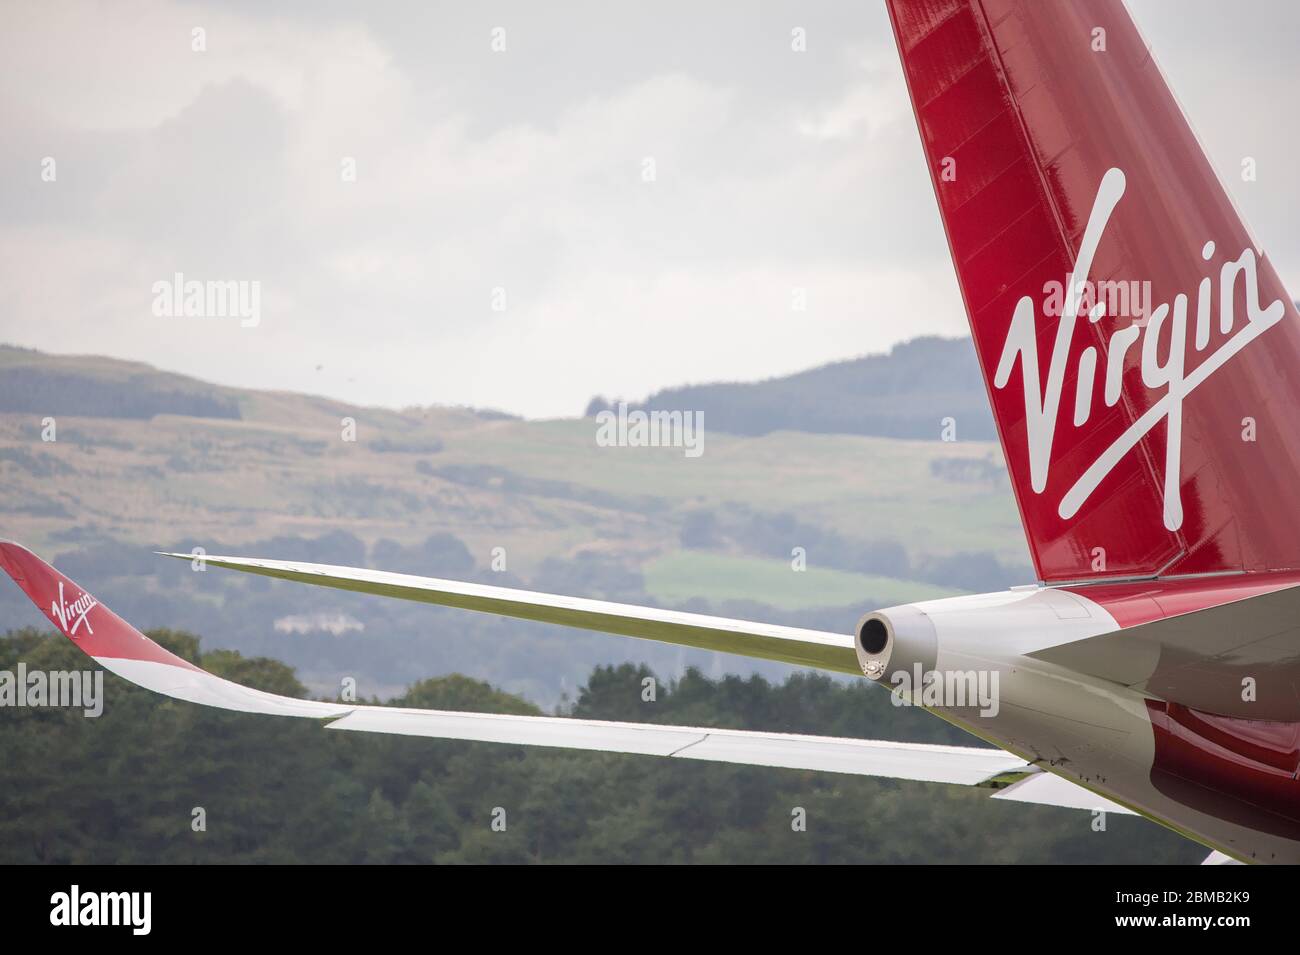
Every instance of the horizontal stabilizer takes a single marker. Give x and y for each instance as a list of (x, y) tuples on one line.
[(810, 648), (1046, 789), (1202, 658)]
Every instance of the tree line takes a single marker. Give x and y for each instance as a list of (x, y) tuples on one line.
[(156, 780)]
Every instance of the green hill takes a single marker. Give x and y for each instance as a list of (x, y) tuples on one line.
[(457, 492), (904, 394)]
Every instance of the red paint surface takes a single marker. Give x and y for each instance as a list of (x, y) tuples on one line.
[(1014, 93), (1242, 771), (1144, 601), (102, 634)]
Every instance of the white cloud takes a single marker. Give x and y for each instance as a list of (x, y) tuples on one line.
[(774, 169)]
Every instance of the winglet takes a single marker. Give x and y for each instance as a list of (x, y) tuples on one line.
[(96, 630), (122, 649)]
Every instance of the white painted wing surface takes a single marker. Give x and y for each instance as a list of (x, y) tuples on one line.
[(924, 762), (963, 765), (121, 648)]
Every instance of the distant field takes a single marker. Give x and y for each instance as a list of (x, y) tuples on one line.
[(540, 489), (863, 487), (281, 479), (678, 577)]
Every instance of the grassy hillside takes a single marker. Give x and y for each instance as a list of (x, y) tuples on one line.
[(681, 576), (444, 490), (904, 394)]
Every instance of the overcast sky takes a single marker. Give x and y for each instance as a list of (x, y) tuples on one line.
[(521, 170)]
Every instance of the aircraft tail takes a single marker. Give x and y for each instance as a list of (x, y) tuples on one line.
[(1114, 294)]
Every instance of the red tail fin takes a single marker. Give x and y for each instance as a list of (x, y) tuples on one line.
[(1114, 294)]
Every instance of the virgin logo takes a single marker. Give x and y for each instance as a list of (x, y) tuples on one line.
[(1042, 406), (72, 616)]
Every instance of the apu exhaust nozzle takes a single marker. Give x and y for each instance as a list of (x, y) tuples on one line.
[(894, 641)]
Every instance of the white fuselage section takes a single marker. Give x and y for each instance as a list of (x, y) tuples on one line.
[(1091, 731)]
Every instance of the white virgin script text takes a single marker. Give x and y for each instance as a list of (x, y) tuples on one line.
[(1042, 406)]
